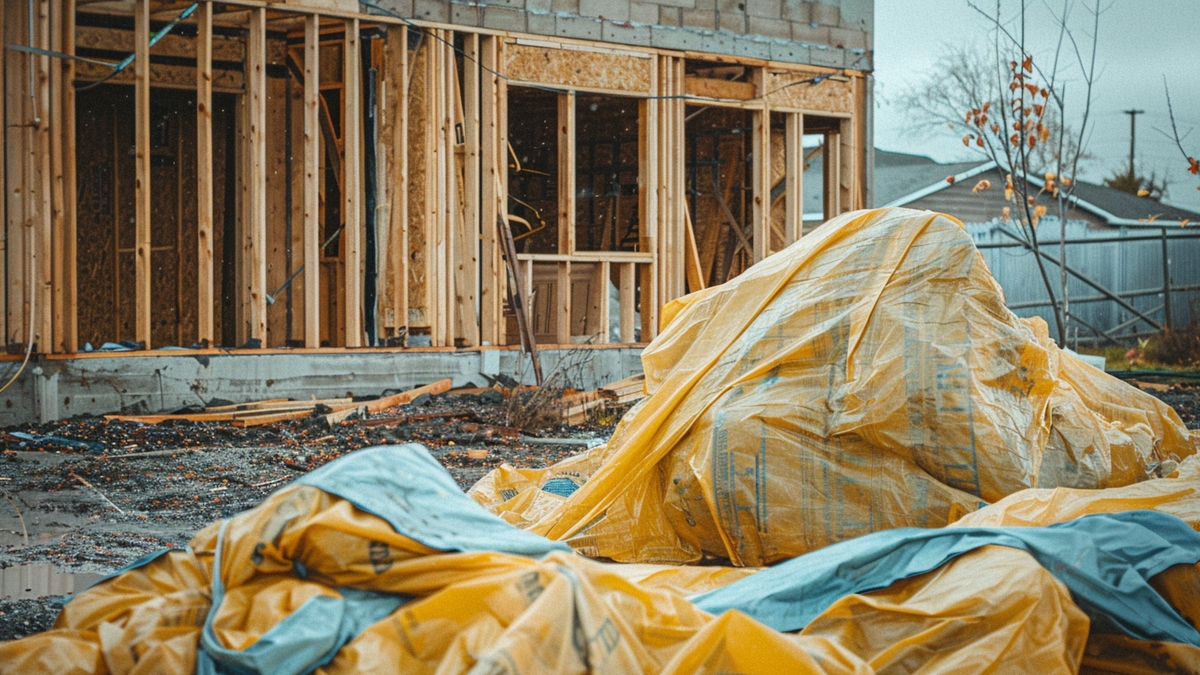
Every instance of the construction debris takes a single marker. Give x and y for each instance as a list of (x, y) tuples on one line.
[(832, 403)]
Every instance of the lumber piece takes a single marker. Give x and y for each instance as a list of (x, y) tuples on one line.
[(204, 174), (691, 258), (141, 107), (381, 404), (625, 391)]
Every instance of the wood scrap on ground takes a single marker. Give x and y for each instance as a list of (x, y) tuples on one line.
[(257, 413)]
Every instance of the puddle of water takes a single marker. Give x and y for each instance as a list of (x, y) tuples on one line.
[(21, 582)]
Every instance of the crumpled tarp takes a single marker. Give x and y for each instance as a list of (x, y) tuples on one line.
[(374, 564), (867, 378)]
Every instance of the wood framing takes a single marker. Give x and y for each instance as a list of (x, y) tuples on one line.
[(493, 172), (578, 68), (352, 183), (310, 189), (142, 179), (297, 104), (794, 178), (204, 175)]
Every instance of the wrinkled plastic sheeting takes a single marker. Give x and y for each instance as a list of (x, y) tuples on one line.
[(868, 377), (377, 564)]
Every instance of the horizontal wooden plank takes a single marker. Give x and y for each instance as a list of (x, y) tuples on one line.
[(162, 75), (713, 88), (381, 404), (579, 69), (117, 40)]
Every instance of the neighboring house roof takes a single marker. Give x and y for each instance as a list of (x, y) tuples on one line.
[(902, 179)]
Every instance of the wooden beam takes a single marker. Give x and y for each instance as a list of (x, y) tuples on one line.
[(831, 195), (62, 125), (44, 218), (256, 225), (142, 270), (847, 177), (600, 301), (204, 175), (695, 273), (399, 260), (69, 231), (11, 273), (562, 305), (649, 189), (761, 182), (793, 157), (352, 182), (311, 190), (494, 153), (722, 89), (626, 286), (566, 173), (472, 225)]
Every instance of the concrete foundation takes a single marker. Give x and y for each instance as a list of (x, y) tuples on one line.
[(53, 388)]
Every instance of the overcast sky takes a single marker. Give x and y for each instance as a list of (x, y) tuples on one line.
[(1140, 41)]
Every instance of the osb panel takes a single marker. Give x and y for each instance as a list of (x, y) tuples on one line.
[(161, 75), (578, 69), (418, 113), (789, 90)]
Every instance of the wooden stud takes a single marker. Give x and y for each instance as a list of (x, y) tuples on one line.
[(831, 195), (142, 180), (400, 198), (846, 175), (494, 153), (204, 175), (562, 306), (600, 301), (695, 273), (626, 299), (310, 192), (12, 276), (649, 189), (566, 173), (761, 182), (62, 240), (256, 222), (793, 178), (43, 219), (438, 196), (471, 225), (70, 244), (352, 183)]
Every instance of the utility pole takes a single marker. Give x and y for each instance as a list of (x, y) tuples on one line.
[(1132, 135)]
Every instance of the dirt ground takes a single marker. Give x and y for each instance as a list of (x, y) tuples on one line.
[(100, 494)]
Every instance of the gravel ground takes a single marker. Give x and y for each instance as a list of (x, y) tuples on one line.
[(202, 472)]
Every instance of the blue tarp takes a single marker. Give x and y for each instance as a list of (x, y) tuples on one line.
[(1105, 561)]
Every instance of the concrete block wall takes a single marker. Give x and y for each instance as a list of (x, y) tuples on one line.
[(834, 33)]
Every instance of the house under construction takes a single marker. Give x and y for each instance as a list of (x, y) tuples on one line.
[(302, 178)]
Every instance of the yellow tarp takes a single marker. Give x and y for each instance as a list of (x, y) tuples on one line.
[(868, 377)]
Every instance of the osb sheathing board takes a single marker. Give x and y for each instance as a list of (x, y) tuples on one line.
[(578, 69), (418, 113), (789, 90)]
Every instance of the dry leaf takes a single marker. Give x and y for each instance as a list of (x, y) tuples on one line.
[(950, 180), (1143, 193), (981, 186)]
